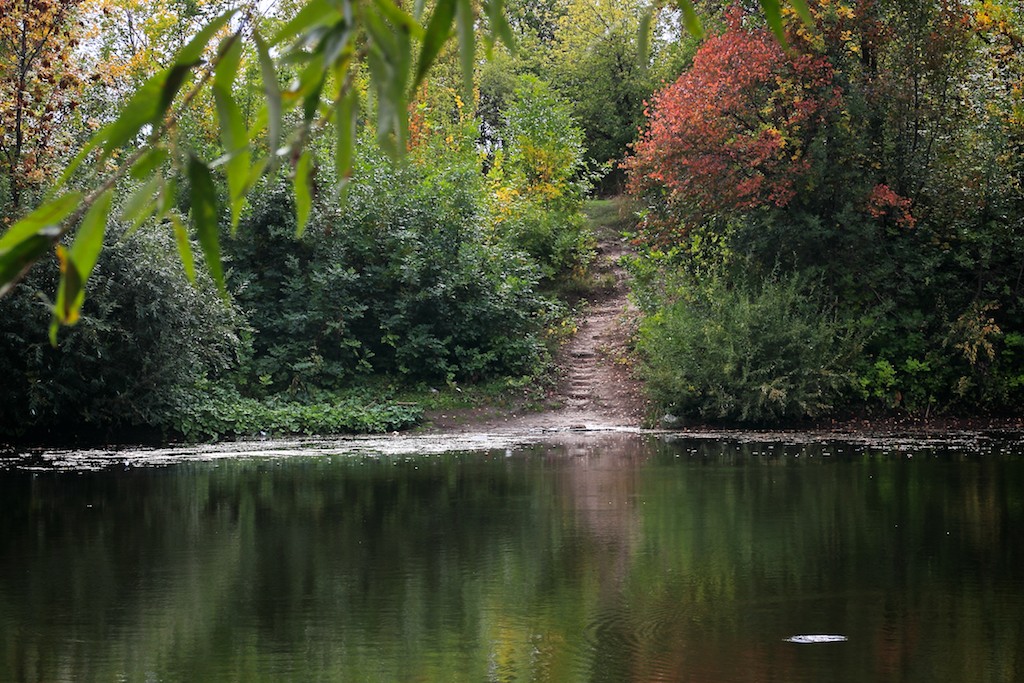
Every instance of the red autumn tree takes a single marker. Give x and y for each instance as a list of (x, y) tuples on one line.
[(732, 133)]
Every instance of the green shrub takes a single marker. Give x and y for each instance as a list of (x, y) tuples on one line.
[(399, 280), (754, 355), (146, 340), (223, 412), (538, 181)]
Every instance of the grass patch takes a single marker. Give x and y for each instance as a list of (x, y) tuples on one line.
[(224, 413), (607, 215)]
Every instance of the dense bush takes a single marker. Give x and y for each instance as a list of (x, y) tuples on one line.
[(397, 280), (538, 181), (146, 341), (752, 354), (868, 160), (414, 275)]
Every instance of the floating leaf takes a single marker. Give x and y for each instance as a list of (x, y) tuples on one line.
[(817, 638)]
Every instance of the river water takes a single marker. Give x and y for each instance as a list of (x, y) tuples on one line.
[(581, 557)]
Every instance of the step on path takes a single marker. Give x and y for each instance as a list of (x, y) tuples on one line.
[(597, 387)]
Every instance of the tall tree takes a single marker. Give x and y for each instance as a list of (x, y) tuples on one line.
[(39, 90)]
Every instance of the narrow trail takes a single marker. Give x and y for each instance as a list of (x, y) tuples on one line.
[(596, 389)]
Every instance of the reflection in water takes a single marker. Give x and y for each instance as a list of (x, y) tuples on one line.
[(614, 558)]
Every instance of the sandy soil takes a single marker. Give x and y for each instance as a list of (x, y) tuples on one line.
[(596, 389)]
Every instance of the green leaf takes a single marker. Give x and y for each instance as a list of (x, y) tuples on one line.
[(436, 35), (773, 15), (48, 215), (77, 264), (314, 13), (141, 109), (388, 110), (311, 85), (644, 38), (303, 191), (271, 94), (467, 45), (149, 162), (85, 250), (384, 38), (17, 260), (168, 197), (140, 204), (93, 143), (399, 17), (235, 139), (204, 215), (229, 61), (390, 60), (345, 115), (193, 52), (176, 77), (804, 11), (184, 248), (70, 281), (690, 19), (495, 10)]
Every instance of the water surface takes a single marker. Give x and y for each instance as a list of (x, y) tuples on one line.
[(596, 558)]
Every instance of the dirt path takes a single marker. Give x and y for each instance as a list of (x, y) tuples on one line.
[(596, 389)]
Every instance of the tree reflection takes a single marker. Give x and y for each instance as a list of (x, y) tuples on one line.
[(602, 559)]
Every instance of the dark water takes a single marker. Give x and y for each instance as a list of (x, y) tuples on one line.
[(621, 558)]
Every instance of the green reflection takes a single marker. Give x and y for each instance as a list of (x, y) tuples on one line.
[(617, 559)]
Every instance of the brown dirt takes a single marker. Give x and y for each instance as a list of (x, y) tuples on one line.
[(595, 389)]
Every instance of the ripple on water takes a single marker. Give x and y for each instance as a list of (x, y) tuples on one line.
[(646, 638)]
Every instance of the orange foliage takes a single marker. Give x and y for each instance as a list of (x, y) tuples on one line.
[(39, 87), (884, 203), (732, 132)]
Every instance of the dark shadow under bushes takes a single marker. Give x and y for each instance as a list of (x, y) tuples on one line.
[(146, 340)]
